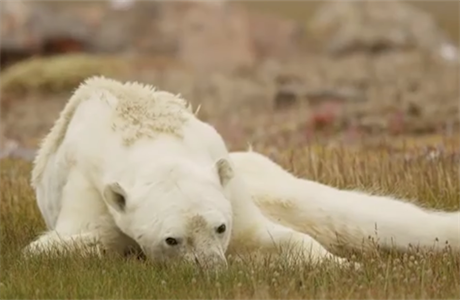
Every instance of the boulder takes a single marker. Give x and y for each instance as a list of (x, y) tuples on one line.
[(344, 27), (204, 34)]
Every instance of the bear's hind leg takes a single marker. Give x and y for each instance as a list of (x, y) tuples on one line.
[(300, 246), (253, 232)]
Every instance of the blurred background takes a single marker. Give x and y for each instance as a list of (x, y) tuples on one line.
[(272, 73)]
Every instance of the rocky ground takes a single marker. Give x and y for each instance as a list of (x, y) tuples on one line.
[(368, 86)]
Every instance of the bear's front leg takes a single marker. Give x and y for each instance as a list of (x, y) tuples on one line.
[(83, 224), (54, 242)]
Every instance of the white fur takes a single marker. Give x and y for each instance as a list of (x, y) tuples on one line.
[(341, 218), (129, 166)]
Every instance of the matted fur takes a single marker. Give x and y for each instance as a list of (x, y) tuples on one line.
[(135, 115)]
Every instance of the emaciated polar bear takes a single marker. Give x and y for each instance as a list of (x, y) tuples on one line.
[(126, 166), (343, 220)]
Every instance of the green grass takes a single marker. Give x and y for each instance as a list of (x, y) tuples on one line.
[(413, 275), (57, 73)]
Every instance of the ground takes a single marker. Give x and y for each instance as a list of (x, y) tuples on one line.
[(414, 275), (401, 138)]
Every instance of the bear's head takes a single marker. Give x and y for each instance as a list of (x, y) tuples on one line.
[(176, 210)]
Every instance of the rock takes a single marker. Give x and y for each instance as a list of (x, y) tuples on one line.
[(374, 26), (11, 149), (291, 93), (288, 94), (285, 97), (275, 37), (334, 94), (18, 35), (122, 4), (17, 25), (211, 34)]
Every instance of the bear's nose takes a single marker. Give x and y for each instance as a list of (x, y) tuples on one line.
[(213, 261)]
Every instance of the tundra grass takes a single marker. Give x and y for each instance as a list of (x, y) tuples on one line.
[(432, 180)]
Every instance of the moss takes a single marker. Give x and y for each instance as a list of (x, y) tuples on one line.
[(57, 73)]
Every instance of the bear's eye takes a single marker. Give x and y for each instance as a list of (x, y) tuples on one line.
[(171, 241), (221, 229)]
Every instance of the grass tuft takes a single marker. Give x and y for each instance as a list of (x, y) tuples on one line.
[(59, 73)]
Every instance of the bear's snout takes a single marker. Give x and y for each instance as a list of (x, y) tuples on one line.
[(210, 260)]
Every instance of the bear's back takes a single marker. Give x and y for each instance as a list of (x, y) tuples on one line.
[(139, 110), (101, 105)]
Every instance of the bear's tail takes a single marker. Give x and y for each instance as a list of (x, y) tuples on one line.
[(344, 219)]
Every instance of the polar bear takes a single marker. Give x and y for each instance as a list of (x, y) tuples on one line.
[(343, 220), (128, 167)]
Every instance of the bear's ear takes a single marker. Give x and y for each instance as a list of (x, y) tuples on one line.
[(224, 170), (115, 196)]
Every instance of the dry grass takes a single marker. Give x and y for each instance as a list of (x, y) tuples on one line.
[(385, 275)]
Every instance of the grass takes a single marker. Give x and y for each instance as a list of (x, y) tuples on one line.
[(57, 73), (413, 275)]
